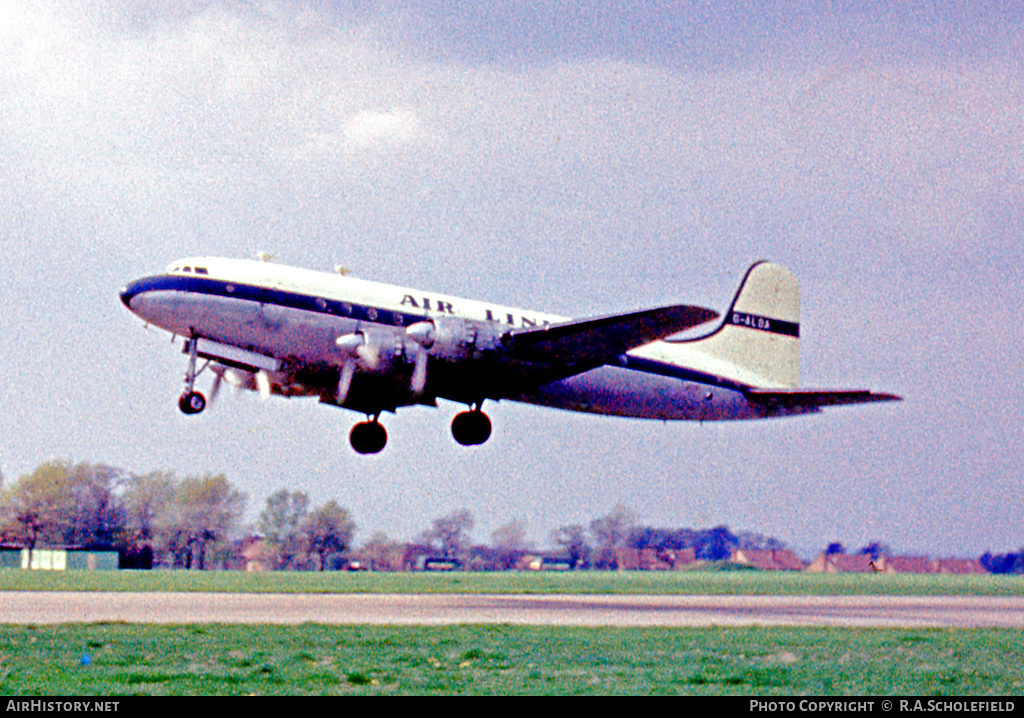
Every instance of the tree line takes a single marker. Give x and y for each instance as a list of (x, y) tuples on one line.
[(157, 519)]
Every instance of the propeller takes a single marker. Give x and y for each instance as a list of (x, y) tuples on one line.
[(357, 346), (356, 350), (423, 335)]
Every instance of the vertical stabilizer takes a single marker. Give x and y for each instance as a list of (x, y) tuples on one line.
[(760, 334)]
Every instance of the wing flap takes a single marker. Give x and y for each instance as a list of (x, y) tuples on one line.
[(810, 398), (603, 339)]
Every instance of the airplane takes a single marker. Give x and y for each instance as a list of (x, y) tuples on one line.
[(372, 348)]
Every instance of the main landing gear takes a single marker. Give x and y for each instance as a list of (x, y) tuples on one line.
[(368, 437), (471, 428)]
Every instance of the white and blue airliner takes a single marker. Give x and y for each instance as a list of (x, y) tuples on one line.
[(373, 348)]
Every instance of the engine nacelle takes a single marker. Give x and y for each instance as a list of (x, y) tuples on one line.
[(373, 350), (451, 339)]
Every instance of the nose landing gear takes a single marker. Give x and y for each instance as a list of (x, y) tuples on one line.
[(191, 401)]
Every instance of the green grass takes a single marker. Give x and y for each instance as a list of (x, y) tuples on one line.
[(594, 582), (120, 659), (124, 659)]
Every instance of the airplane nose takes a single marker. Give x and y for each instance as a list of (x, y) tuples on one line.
[(129, 292)]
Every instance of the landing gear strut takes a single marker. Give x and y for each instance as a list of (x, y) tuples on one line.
[(368, 437), (471, 428), (191, 401)]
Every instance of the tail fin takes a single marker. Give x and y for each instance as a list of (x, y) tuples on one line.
[(760, 336)]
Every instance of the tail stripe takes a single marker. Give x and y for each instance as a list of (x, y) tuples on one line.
[(764, 324)]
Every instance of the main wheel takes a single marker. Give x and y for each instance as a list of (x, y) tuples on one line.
[(471, 428), (368, 437), (191, 402)]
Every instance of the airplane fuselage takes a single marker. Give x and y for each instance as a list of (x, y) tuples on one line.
[(296, 316)]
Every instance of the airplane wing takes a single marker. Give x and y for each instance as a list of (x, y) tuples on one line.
[(603, 339), (809, 398)]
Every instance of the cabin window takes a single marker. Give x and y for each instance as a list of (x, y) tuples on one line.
[(201, 270)]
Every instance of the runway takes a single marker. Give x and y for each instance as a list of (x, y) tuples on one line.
[(40, 607)]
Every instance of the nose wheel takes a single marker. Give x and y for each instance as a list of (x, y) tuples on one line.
[(368, 437), (191, 402), (471, 428)]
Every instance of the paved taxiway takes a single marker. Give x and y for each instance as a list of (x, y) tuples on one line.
[(38, 607)]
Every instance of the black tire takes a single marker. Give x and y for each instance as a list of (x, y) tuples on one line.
[(192, 402), (368, 437), (471, 428)]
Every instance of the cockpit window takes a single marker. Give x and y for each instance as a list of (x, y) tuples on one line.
[(189, 269)]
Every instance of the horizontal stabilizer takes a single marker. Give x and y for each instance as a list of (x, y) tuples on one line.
[(811, 398), (604, 339)]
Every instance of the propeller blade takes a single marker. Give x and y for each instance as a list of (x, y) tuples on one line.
[(348, 369), (419, 372), (263, 384)]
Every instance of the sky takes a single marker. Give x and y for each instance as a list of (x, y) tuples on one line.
[(575, 160)]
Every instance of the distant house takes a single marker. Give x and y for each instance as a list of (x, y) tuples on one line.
[(647, 559), (842, 563), (958, 566), (768, 559), (907, 564)]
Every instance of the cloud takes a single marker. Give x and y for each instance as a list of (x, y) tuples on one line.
[(369, 128), (621, 174)]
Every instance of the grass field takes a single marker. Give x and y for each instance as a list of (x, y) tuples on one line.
[(119, 659), (126, 659), (750, 583)]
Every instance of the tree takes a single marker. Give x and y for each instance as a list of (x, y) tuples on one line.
[(450, 533), (281, 524), (207, 510), (714, 544), (573, 539), (758, 541), (149, 501), (875, 549), (69, 505), (328, 530), (509, 544), (383, 553), (610, 534)]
